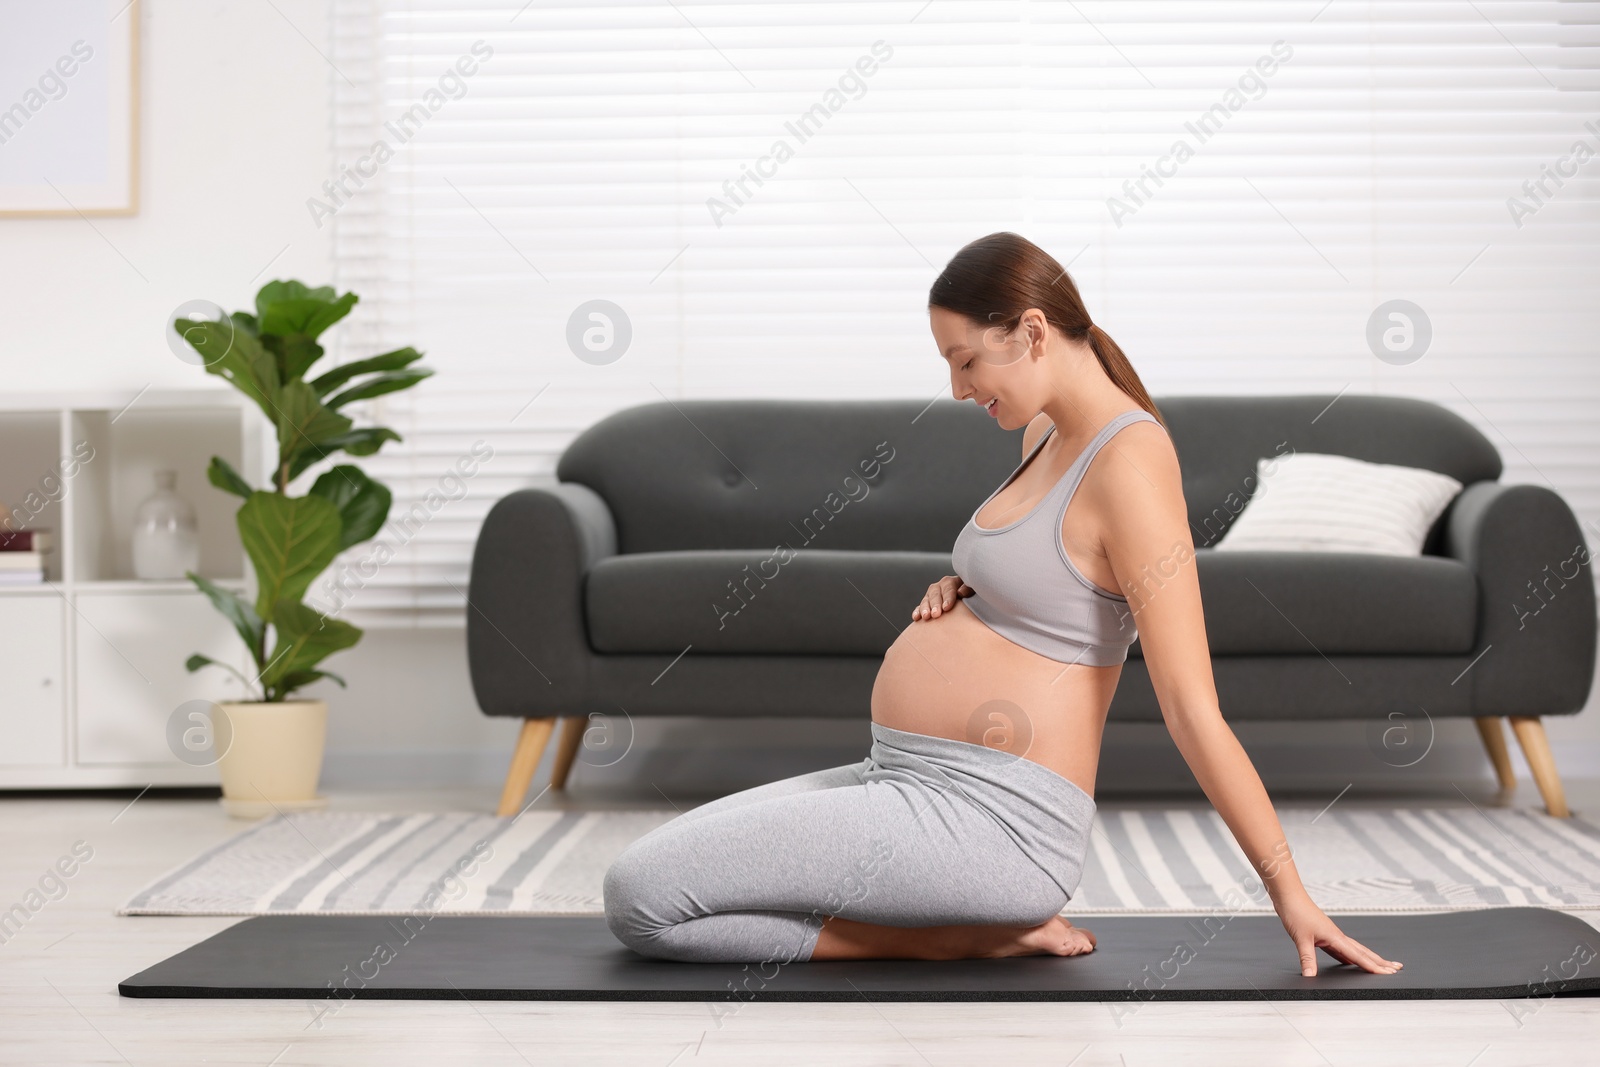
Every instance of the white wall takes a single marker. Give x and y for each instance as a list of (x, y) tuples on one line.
[(235, 137)]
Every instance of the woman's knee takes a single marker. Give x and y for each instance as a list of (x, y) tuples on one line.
[(630, 894)]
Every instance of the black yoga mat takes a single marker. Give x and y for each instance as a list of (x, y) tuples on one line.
[(1491, 954)]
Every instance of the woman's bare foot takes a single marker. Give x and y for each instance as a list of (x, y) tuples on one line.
[(1057, 937), (846, 939)]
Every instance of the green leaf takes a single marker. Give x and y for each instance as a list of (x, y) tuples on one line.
[(276, 291), (289, 307), (211, 339), (294, 354), (305, 638), (362, 442), (291, 318), (246, 620), (290, 540), (388, 382), (301, 679), (196, 661), (395, 360), (224, 477), (363, 503), (365, 441), (236, 356), (304, 423)]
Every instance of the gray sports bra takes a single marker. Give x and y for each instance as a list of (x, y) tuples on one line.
[(1026, 589)]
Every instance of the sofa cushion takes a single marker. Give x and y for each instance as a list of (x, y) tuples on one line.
[(1313, 502), (838, 602), (801, 602), (1300, 603)]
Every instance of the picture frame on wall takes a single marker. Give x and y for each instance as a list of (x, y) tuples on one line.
[(69, 108)]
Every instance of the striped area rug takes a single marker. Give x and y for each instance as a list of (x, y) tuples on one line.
[(1141, 860)]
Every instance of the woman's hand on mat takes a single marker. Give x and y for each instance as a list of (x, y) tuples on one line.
[(1311, 930), (940, 598)]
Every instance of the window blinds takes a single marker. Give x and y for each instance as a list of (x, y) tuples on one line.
[(578, 207)]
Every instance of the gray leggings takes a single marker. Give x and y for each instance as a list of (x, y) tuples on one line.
[(926, 831)]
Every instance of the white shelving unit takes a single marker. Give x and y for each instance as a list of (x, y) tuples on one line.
[(92, 659)]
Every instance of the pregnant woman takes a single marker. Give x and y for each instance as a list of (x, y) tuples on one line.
[(963, 833)]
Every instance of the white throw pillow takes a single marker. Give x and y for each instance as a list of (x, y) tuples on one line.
[(1312, 502)]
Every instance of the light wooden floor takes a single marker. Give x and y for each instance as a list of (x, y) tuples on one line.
[(58, 1000)]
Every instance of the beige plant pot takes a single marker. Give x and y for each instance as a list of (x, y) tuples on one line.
[(274, 757)]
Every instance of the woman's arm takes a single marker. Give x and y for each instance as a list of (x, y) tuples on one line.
[(1147, 542)]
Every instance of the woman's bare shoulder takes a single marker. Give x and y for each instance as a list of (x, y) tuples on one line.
[(1141, 462)]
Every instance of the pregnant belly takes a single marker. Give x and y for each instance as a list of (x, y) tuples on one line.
[(954, 677)]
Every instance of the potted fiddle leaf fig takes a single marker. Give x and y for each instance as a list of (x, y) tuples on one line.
[(270, 748)]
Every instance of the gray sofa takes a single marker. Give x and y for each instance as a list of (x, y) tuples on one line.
[(721, 558)]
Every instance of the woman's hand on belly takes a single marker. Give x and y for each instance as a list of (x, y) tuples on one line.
[(940, 598)]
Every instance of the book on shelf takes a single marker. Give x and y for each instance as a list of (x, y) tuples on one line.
[(41, 540), (21, 568)]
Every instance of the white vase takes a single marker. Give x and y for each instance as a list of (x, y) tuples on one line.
[(166, 537), (274, 756)]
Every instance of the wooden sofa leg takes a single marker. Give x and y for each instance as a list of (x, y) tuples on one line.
[(572, 727), (1494, 740), (530, 748), (1536, 747)]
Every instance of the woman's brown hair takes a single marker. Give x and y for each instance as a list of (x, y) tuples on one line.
[(994, 279)]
